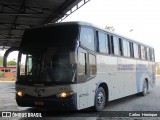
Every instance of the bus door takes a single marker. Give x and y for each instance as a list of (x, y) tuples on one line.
[(82, 86)]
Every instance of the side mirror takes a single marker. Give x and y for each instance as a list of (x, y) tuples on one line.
[(7, 53)]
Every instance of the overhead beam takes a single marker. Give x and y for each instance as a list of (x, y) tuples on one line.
[(60, 12), (14, 23), (75, 8)]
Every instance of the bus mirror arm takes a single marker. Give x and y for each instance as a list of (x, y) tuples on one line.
[(7, 53), (79, 43)]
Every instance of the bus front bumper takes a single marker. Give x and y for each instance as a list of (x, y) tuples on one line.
[(48, 102)]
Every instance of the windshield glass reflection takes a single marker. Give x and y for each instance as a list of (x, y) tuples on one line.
[(47, 66)]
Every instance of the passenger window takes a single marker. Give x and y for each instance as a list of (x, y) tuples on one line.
[(143, 52), (103, 42), (148, 54), (92, 65), (139, 51), (126, 48), (152, 55), (82, 64), (120, 47), (131, 49), (87, 38), (135, 47), (115, 45)]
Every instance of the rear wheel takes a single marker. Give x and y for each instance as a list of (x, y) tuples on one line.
[(145, 88), (100, 99)]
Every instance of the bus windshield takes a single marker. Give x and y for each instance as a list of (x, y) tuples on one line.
[(49, 54), (47, 66)]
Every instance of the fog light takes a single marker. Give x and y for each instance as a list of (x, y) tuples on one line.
[(20, 93)]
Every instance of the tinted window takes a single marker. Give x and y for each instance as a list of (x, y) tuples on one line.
[(50, 36), (103, 42), (131, 49), (126, 48), (115, 45), (152, 55), (143, 52), (82, 64), (135, 47), (139, 51), (148, 54), (92, 65), (87, 38), (120, 47)]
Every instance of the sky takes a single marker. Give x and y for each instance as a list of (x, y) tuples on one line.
[(140, 16)]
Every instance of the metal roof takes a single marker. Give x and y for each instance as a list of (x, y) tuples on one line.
[(17, 15)]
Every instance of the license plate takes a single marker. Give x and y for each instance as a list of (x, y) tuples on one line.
[(39, 103)]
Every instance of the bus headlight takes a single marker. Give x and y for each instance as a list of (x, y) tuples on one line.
[(64, 94), (20, 93)]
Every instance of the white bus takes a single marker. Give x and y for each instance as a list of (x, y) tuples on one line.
[(77, 65)]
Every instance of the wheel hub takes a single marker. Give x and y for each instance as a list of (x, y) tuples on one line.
[(100, 99)]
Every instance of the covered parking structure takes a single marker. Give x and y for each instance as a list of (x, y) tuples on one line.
[(17, 15)]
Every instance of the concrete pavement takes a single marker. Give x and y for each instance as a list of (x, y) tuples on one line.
[(8, 102)]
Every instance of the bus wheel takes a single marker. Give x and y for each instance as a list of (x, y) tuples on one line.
[(145, 88), (100, 100)]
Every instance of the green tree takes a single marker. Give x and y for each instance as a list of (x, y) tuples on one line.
[(110, 28), (11, 63)]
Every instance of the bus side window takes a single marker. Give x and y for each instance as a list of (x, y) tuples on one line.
[(148, 54), (126, 48), (120, 47), (102, 42), (82, 69), (135, 47), (143, 52), (109, 44), (87, 38), (131, 49), (92, 65), (139, 52), (152, 55), (115, 45)]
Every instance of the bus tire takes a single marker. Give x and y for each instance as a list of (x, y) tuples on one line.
[(145, 88), (100, 99)]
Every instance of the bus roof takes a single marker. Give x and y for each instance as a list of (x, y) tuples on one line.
[(81, 23)]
